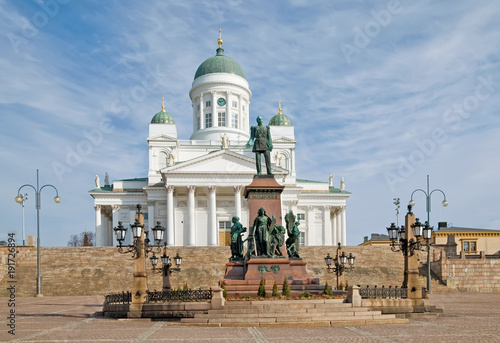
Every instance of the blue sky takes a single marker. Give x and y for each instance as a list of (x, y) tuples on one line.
[(381, 93)]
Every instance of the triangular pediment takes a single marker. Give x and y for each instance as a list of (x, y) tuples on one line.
[(163, 138), (222, 162), (284, 139)]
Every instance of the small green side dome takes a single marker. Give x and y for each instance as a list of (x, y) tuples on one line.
[(162, 117), (219, 64), (280, 119)]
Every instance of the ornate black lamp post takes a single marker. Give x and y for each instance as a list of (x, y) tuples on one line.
[(444, 203), (20, 199), (167, 267), (339, 262), (402, 240), (139, 249)]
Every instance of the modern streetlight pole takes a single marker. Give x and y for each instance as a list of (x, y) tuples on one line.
[(20, 199), (444, 203), (25, 197)]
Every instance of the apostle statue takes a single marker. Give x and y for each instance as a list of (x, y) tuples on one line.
[(260, 135), (236, 241)]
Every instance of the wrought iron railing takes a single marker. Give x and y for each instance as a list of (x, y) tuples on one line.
[(383, 292), (118, 298), (190, 295)]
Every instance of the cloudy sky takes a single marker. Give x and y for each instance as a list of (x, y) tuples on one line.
[(381, 93)]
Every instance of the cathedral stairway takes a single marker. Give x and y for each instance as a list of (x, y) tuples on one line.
[(322, 312)]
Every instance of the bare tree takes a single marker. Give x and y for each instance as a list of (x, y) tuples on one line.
[(82, 239)]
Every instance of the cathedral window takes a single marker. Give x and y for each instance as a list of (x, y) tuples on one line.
[(234, 120), (224, 233), (301, 216), (208, 103), (197, 121), (222, 119), (302, 238), (208, 120), (235, 104)]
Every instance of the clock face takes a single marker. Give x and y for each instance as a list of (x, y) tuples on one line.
[(221, 102)]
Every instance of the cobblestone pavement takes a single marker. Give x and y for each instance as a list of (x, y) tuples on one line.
[(467, 318)]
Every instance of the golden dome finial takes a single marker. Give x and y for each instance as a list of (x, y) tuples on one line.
[(219, 41), (162, 104), (279, 108)]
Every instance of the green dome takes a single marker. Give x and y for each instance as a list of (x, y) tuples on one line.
[(280, 119), (219, 64), (163, 117)]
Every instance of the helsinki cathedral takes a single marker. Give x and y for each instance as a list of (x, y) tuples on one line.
[(195, 186)]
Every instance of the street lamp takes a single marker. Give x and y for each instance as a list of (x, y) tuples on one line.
[(444, 203), (20, 198), (339, 262), (407, 239), (167, 267), (139, 241), (24, 198)]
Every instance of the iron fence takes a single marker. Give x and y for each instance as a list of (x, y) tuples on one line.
[(383, 292), (118, 298), (181, 295)]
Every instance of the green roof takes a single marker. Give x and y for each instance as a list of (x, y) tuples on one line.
[(219, 64), (280, 120), (162, 117)]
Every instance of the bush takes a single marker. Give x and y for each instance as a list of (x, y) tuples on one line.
[(224, 293), (328, 290), (286, 288), (185, 288), (306, 295), (346, 286), (262, 289), (340, 287), (275, 290)]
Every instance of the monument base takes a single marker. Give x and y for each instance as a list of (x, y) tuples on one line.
[(243, 277)]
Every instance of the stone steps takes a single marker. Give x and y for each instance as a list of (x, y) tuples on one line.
[(328, 312)]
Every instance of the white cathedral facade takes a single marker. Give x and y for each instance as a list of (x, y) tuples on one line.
[(194, 187)]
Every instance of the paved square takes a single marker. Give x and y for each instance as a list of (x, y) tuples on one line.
[(467, 318)]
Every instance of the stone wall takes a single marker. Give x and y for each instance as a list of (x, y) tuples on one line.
[(471, 275), (101, 270)]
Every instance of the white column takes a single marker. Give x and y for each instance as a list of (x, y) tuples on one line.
[(170, 216), (191, 240), (334, 229), (310, 224), (212, 217), (240, 111), (215, 116), (100, 236), (202, 111), (228, 109), (344, 231), (151, 217), (237, 201), (116, 217), (327, 232), (339, 227)]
